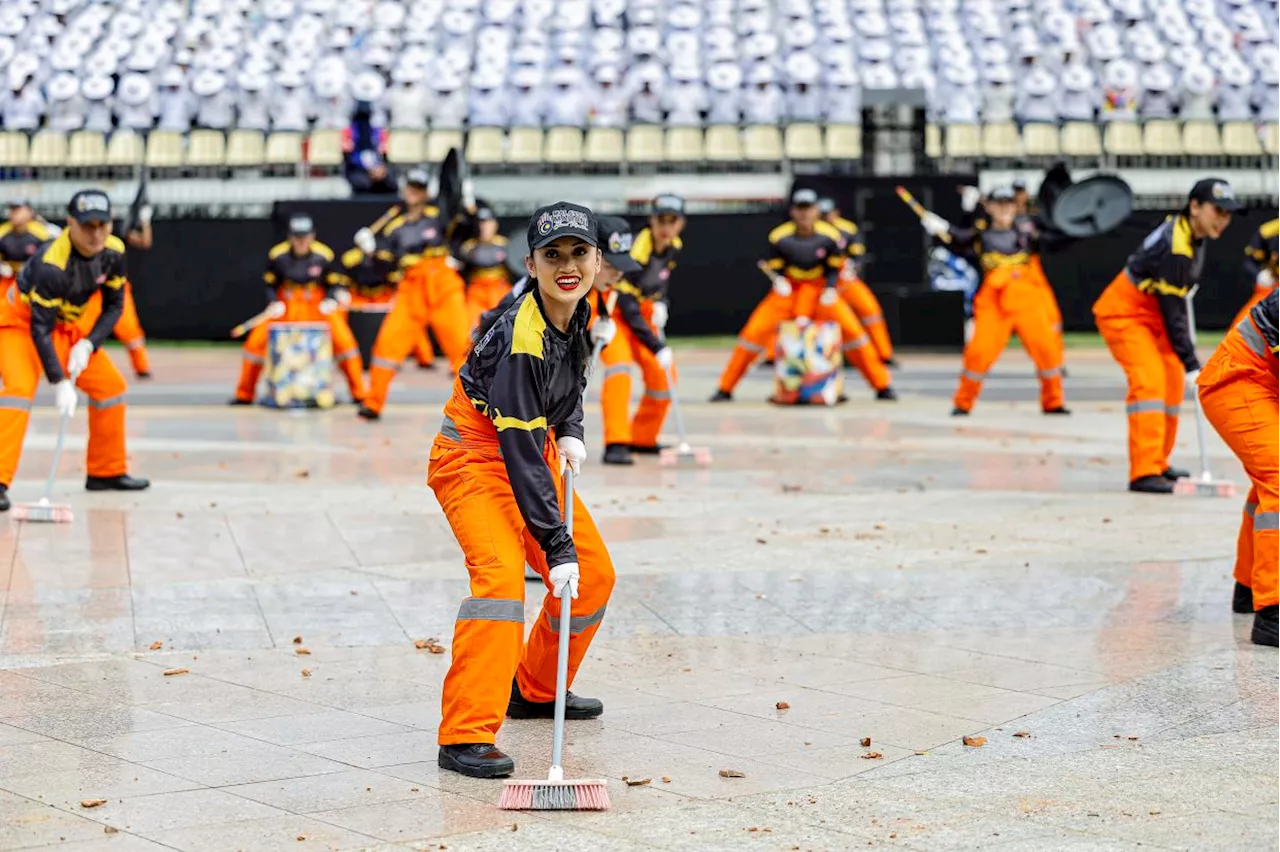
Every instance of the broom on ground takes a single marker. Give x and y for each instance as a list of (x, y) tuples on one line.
[(555, 793), (45, 512), (1205, 485)]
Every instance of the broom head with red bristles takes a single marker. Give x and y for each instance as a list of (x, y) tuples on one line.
[(555, 795), (43, 512)]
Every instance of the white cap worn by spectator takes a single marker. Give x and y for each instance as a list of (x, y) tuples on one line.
[(842, 97), (136, 104), (685, 98), (66, 107), (488, 101), (1148, 52), (253, 103), (409, 98), (290, 102), (881, 76), (959, 99), (1104, 43), (804, 98), (721, 45), (998, 94), (1197, 93), (762, 101), (450, 109), (1078, 98), (1120, 81), (725, 81), (177, 105), (215, 102), (684, 17), (607, 106), (1157, 93), (526, 100), (1235, 95), (96, 92), (566, 104)]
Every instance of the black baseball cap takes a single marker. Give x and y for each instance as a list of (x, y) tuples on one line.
[(1217, 192), (1002, 193), (18, 202), (667, 203), (90, 205), (615, 243), (804, 198), (300, 225), (484, 213), (562, 219), (418, 178), (1019, 185), (826, 205)]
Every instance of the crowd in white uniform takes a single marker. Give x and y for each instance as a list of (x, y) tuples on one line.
[(285, 65)]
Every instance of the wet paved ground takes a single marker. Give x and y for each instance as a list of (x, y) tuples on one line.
[(885, 571)]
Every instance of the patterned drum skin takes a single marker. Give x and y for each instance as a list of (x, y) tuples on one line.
[(299, 365), (807, 367)]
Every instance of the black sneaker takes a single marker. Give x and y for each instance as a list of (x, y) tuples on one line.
[(891, 363), (479, 760), (575, 707), (123, 482), (367, 413), (887, 394), (959, 412), (1175, 473), (1061, 409), (235, 400), (1242, 599), (1264, 627), (430, 365), (721, 396), (618, 454), (4, 498), (1153, 484), (143, 376), (648, 449)]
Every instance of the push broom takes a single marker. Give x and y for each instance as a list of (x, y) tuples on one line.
[(46, 512), (681, 453), (555, 793), (1204, 485)]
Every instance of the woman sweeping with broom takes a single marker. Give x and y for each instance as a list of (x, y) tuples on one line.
[(512, 425)]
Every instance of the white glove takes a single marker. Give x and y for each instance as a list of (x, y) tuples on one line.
[(781, 286), (603, 330), (934, 224), (365, 241), (145, 212), (574, 453), (829, 296), (664, 357), (969, 198), (64, 397), (328, 306), (659, 315), (6, 271), (1265, 279), (565, 574), (79, 357), (342, 296), (276, 309), (1192, 375), (468, 195)]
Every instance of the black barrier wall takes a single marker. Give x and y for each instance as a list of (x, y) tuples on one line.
[(204, 276)]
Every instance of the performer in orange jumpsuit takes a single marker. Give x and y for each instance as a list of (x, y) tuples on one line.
[(128, 328), (1006, 301), (1142, 316), (20, 235), (805, 259), (1261, 262), (512, 425), (484, 266), (367, 240), (39, 313), (1238, 392), (852, 288), (304, 284)]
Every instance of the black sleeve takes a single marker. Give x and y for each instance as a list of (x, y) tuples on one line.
[(271, 278), (45, 292), (1172, 298), (518, 412), (964, 237), (112, 303), (572, 427), (628, 308), (335, 279), (1255, 255)]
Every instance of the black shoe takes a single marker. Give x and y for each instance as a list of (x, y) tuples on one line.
[(1154, 484), (235, 400), (4, 498), (1065, 373), (143, 376), (1175, 473), (768, 362), (887, 394), (959, 412), (123, 482), (842, 399), (575, 707), (1264, 627), (430, 365), (721, 396), (648, 449), (891, 363), (1061, 409), (368, 413), (1242, 599), (618, 454), (479, 760)]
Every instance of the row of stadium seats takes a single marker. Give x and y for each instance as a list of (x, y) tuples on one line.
[(642, 144)]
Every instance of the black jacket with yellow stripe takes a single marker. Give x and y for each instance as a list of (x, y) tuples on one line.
[(817, 256), (1167, 265), (653, 281), (1263, 250), (58, 281), (527, 376), (17, 247), (315, 268)]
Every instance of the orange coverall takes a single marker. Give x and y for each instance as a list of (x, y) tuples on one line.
[(857, 295), (495, 470), (486, 274), (615, 360), (128, 329), (1262, 253)]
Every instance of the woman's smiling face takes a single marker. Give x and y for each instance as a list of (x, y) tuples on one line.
[(565, 269)]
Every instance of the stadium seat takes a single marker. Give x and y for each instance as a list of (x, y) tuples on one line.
[(1081, 139), (1040, 140), (283, 149), (723, 144), (439, 142), (1162, 139), (206, 148), (933, 141), (48, 148), (563, 145), (1000, 140), (644, 144), (485, 146), (13, 149), (125, 148), (683, 145), (1201, 139), (1123, 139), (164, 149), (245, 148), (803, 142), (524, 146), (964, 140), (1240, 139), (1271, 138), (324, 148), (86, 148), (406, 148), (762, 143), (844, 142), (604, 145)]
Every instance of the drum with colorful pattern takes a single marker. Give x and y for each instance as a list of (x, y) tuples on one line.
[(807, 367), (299, 365)]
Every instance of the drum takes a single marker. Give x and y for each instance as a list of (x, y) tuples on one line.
[(299, 365), (808, 362)]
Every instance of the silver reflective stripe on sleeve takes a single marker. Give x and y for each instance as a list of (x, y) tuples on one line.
[(874, 319), (491, 609), (617, 370), (1145, 405), (1172, 410), (1250, 509), (1251, 336), (348, 355), (250, 358), (1049, 374), (749, 346), (578, 623), (15, 403), (972, 376), (136, 343), (109, 402), (1266, 521), (450, 429), (384, 363), (856, 343), (657, 394)]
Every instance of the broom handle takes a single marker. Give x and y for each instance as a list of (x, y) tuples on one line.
[(1205, 476), (675, 405), (57, 457), (562, 656)]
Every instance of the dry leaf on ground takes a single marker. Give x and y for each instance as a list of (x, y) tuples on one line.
[(156, 646), (1023, 735), (636, 782), (974, 742), (302, 652), (297, 640), (782, 705), (866, 742), (430, 645), (110, 829), (872, 755), (666, 779), (732, 773), (92, 803), (302, 474), (306, 672), (168, 672)]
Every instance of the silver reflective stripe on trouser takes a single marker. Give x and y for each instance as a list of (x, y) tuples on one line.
[(872, 320), (249, 357), (384, 363), (1144, 406), (348, 355), (657, 394), (450, 429), (577, 623), (1172, 410), (491, 609), (1250, 509), (1252, 337), (1057, 328), (136, 343), (1266, 521), (972, 376), (15, 403), (1052, 373), (617, 370), (749, 346), (856, 343), (109, 402)]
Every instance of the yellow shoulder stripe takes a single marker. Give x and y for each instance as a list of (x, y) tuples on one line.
[(529, 327), (33, 296), (1270, 230), (5, 228), (828, 230), (642, 247), (499, 240), (1181, 241), (59, 251), (678, 243), (115, 244), (40, 229), (115, 282), (352, 257), (627, 288), (277, 250), (786, 229), (503, 423), (322, 249)]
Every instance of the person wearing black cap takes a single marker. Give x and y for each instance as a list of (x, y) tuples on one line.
[(656, 248), (513, 423), (484, 264), (805, 259), (1262, 263), (304, 284), (855, 292), (20, 235), (38, 314), (1143, 318)]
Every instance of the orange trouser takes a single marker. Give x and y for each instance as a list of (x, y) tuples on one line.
[(471, 483), (762, 325), (382, 302), (1259, 293), (1156, 377), (1238, 392), (1008, 302), (302, 304), (128, 330), (656, 400), (484, 292), (1049, 304), (20, 370), (430, 293), (858, 296), (615, 390)]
